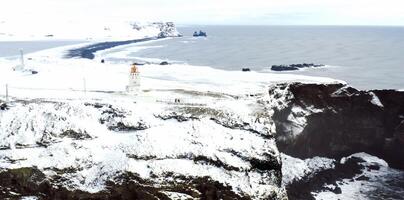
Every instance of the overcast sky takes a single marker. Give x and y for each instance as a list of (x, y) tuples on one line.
[(251, 12)]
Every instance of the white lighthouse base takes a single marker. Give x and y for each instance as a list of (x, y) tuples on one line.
[(134, 84)]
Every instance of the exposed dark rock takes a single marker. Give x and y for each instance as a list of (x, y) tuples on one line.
[(23, 181), (3, 106), (218, 116), (164, 63), (138, 63), (399, 132), (293, 67), (76, 135), (15, 183), (132, 187), (112, 112), (337, 190), (283, 68), (112, 118), (96, 105), (373, 167), (199, 34), (122, 127), (362, 178), (49, 138), (340, 121), (269, 164), (234, 124), (246, 69), (46, 140), (176, 116), (210, 161), (108, 112)]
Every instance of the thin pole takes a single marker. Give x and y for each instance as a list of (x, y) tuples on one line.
[(84, 85), (6, 93), (22, 57)]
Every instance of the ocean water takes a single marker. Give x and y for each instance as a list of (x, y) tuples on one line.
[(365, 57), (12, 48)]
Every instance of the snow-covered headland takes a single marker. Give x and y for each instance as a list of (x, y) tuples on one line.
[(71, 131), (83, 30)]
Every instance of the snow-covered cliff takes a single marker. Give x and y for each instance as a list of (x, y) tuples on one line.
[(89, 145)]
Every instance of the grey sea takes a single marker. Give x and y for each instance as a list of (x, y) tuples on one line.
[(365, 57), (12, 48)]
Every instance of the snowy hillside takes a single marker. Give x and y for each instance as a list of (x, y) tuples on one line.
[(101, 141)]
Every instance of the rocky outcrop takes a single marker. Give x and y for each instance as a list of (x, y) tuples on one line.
[(164, 63), (335, 120), (167, 29), (3, 106), (293, 67), (200, 34)]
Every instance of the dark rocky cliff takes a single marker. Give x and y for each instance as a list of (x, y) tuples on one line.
[(335, 120)]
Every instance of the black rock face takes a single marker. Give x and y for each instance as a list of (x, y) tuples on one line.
[(200, 34), (16, 183), (164, 63), (3, 106), (293, 67), (340, 121)]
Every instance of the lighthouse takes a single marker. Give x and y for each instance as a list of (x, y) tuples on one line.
[(134, 80), (21, 66)]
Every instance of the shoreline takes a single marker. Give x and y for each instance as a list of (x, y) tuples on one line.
[(88, 52)]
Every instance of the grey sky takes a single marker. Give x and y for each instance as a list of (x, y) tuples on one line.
[(253, 12)]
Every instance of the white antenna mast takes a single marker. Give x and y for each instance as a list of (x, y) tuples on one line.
[(22, 58)]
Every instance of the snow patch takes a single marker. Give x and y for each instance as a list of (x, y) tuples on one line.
[(375, 100), (178, 196), (367, 158), (294, 168)]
